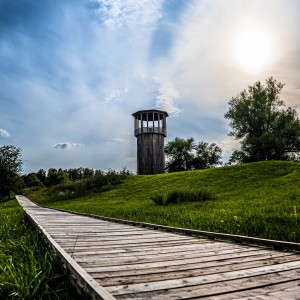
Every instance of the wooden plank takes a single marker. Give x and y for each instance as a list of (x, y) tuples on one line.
[(113, 243), (122, 239), (177, 250), (122, 235), (154, 258), (164, 264), (187, 282), (84, 231), (131, 247), (107, 237), (147, 250), (178, 268), (142, 250), (95, 236), (281, 291), (247, 287), (101, 262), (121, 279), (101, 229)]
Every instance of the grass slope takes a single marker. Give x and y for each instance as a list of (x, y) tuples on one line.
[(259, 199)]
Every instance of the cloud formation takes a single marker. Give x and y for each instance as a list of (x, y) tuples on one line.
[(129, 13), (67, 146), (4, 133), (166, 96), (116, 95)]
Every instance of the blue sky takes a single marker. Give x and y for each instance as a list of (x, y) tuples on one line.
[(73, 71)]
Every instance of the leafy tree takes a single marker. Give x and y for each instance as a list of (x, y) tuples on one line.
[(55, 177), (186, 155), (180, 154), (31, 180), (88, 173), (258, 119), (207, 156), (80, 173), (41, 175), (75, 174), (10, 168)]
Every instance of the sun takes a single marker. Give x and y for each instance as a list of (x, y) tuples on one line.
[(253, 49)]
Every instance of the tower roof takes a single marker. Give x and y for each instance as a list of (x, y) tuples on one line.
[(150, 111)]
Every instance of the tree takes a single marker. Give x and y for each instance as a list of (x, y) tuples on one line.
[(41, 175), (55, 177), (207, 156), (32, 180), (184, 155), (10, 168), (258, 119), (180, 154), (75, 174)]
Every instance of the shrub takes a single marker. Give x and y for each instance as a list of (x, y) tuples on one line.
[(100, 182), (158, 199), (184, 195)]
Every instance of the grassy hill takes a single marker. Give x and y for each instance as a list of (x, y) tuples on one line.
[(259, 199)]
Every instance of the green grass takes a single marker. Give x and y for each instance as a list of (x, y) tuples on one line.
[(28, 268), (259, 199), (184, 195)]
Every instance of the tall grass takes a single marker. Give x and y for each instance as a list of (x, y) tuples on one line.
[(28, 268), (184, 195)]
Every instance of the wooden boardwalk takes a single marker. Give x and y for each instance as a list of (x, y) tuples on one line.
[(116, 261)]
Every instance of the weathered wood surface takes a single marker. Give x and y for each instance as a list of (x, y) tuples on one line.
[(120, 261)]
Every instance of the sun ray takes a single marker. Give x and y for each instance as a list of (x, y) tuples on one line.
[(254, 49)]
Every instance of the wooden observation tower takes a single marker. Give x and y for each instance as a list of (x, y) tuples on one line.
[(150, 129)]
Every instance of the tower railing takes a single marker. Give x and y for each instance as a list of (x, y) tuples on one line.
[(158, 130)]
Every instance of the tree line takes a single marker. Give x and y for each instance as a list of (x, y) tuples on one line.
[(11, 180), (58, 176), (259, 120)]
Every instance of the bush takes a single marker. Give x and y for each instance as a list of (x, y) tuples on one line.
[(184, 195), (158, 199), (100, 182)]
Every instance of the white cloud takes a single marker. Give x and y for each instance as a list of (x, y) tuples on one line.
[(4, 133), (166, 96), (128, 13), (229, 144), (118, 140), (67, 146), (115, 95), (114, 141)]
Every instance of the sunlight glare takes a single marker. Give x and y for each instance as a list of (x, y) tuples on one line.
[(253, 49)]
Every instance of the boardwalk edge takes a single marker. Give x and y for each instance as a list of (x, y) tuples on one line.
[(83, 282)]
